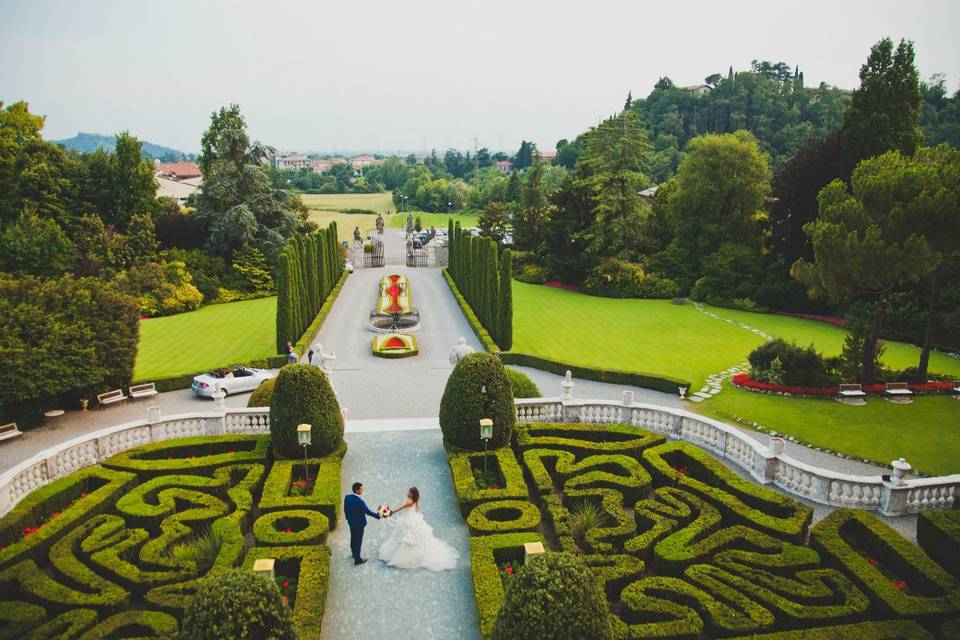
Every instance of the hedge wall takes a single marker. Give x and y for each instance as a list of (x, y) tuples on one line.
[(483, 278), (308, 269), (938, 533), (612, 376)]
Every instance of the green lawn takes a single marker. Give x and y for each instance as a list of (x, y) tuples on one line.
[(925, 433), (340, 201), (215, 335), (657, 336), (438, 220), (345, 222)]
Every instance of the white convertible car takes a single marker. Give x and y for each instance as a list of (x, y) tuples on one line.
[(236, 380)]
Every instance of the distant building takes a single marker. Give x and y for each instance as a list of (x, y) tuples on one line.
[(546, 156), (647, 194), (360, 162), (176, 170), (699, 89), (178, 190), (295, 161), (504, 166)]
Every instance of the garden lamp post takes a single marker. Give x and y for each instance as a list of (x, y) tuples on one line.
[(303, 438), (486, 432), (449, 204)]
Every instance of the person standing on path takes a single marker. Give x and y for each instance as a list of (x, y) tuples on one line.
[(356, 512)]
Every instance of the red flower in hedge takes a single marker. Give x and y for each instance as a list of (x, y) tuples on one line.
[(900, 584), (169, 457), (286, 599), (54, 514), (83, 494), (510, 570), (231, 452), (682, 470), (285, 585), (288, 530), (872, 561)]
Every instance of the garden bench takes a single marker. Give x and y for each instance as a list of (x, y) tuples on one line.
[(956, 392), (111, 397), (10, 430), (146, 390), (851, 394), (898, 392)]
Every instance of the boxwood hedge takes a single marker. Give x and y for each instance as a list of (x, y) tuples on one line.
[(938, 533), (325, 496), (294, 527), (620, 472), (485, 553), (196, 455), (503, 516), (469, 494), (312, 567), (582, 438)]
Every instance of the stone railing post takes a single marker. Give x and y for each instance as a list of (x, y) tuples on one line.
[(894, 492), (216, 425), (570, 412), (628, 398), (567, 385), (770, 461), (676, 428)]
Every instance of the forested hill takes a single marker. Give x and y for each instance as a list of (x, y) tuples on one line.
[(87, 142), (772, 102)]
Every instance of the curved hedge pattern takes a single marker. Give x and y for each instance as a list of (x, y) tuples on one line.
[(105, 552), (686, 548), (503, 516)]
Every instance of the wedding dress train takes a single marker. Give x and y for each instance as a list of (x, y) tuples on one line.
[(412, 545)]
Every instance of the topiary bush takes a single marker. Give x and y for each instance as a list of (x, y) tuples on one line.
[(237, 604), (464, 403), (303, 394), (521, 385), (554, 596), (262, 395), (782, 362)]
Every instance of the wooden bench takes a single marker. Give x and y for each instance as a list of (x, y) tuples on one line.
[(851, 394), (146, 390), (8, 431), (898, 392), (956, 392), (111, 397)]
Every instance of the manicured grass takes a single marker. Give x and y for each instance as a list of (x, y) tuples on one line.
[(345, 222), (925, 433), (657, 336), (438, 220), (340, 201), (215, 335)]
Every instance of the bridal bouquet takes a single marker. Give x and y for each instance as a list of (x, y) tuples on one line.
[(383, 512)]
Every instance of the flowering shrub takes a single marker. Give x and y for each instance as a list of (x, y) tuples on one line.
[(744, 381)]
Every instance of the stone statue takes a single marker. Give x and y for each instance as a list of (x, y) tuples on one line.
[(320, 358), (459, 351)]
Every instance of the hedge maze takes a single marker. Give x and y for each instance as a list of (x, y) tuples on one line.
[(686, 548), (117, 550)]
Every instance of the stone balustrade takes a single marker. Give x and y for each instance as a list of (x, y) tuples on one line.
[(767, 465), (891, 495), (93, 448)]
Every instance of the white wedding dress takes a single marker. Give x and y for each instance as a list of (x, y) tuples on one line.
[(412, 545)]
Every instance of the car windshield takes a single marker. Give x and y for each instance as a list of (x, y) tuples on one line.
[(240, 372)]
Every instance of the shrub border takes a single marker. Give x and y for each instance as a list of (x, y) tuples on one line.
[(482, 334), (656, 382), (480, 524), (326, 489), (265, 532), (465, 485), (938, 533), (487, 587)]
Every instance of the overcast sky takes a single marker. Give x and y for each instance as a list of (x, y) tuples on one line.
[(408, 75)]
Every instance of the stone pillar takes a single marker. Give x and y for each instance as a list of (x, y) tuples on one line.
[(571, 413), (153, 414), (676, 428), (218, 399), (893, 495), (768, 471), (628, 398)]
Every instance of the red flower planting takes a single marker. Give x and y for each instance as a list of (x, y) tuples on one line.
[(510, 570), (682, 470), (872, 562), (744, 381), (900, 584)]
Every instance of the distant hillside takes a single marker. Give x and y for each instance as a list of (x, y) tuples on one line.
[(87, 142)]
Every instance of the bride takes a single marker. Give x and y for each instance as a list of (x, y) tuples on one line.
[(412, 545)]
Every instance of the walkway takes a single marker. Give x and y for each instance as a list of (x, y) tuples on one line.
[(373, 601)]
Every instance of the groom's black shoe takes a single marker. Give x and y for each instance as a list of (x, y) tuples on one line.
[(360, 561)]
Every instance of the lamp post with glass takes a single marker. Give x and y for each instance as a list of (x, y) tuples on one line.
[(449, 204), (303, 439), (486, 432)]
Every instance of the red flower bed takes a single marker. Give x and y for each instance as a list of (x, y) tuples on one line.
[(839, 322), (744, 381), (560, 285)]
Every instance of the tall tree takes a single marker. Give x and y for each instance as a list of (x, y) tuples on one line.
[(614, 158), (528, 217), (863, 244), (18, 128), (884, 113), (134, 187), (567, 231), (524, 156)]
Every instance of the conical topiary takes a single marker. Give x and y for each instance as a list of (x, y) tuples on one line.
[(464, 403), (302, 394)]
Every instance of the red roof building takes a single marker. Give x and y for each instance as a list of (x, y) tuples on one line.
[(177, 170)]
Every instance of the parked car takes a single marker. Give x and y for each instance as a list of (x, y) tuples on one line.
[(236, 380)]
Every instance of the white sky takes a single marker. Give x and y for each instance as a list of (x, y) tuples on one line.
[(408, 75)]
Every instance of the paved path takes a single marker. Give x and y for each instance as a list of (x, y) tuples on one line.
[(373, 601)]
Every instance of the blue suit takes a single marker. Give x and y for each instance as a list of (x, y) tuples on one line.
[(356, 511)]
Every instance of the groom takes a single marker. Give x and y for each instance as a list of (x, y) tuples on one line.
[(356, 512)]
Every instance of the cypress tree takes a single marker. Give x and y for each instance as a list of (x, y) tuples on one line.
[(472, 276), (480, 308), (336, 264), (310, 262), (283, 302), (457, 250), (304, 285), (505, 312), (493, 290), (449, 240), (324, 268)]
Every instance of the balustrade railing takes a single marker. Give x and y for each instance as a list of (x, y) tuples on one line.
[(767, 465), (892, 495), (93, 448)]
